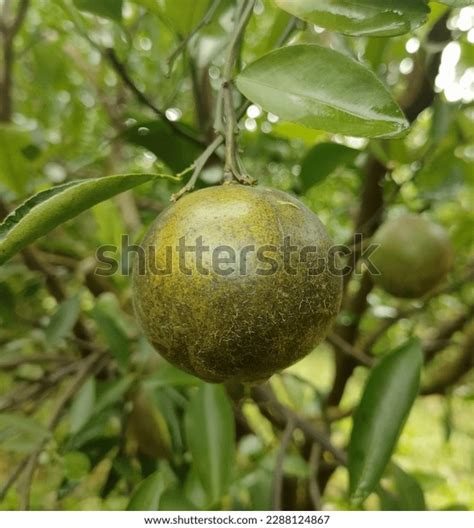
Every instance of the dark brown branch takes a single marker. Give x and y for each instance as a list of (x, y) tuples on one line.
[(420, 94)]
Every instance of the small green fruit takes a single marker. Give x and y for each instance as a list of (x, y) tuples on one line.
[(414, 256), (253, 312)]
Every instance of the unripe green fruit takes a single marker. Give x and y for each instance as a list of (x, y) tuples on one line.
[(247, 319), (414, 256)]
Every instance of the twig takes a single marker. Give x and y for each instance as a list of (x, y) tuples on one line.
[(370, 341), (122, 72), (455, 370), (217, 142), (35, 391), (278, 475), (442, 339), (92, 364), (314, 491), (13, 478), (280, 415), (183, 44), (199, 166), (13, 363), (342, 345)]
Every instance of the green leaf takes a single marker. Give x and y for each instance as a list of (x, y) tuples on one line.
[(322, 160), (210, 432), (169, 376), (378, 421), (409, 490), (63, 320), (46, 210), (15, 167), (105, 8), (82, 406), (115, 336), (175, 500), (148, 493), (364, 17), (21, 434), (76, 465), (175, 151), (405, 493), (182, 15), (320, 88), (456, 3), (112, 394)]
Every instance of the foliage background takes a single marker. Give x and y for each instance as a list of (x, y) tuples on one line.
[(75, 116)]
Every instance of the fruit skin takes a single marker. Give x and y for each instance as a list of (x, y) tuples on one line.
[(414, 256), (241, 327)]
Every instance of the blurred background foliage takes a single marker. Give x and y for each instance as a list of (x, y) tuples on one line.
[(136, 420)]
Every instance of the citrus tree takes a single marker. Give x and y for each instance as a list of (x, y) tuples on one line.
[(349, 390)]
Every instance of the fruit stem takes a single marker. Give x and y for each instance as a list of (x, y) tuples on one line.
[(231, 168)]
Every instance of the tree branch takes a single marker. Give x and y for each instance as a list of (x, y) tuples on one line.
[(280, 415), (184, 43), (369, 342), (231, 169), (277, 486), (122, 72), (8, 33), (371, 212), (91, 365), (454, 371), (445, 332)]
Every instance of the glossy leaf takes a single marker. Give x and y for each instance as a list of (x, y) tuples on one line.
[(404, 493), (456, 3), (147, 495), (409, 490), (322, 160), (210, 432), (379, 419), (175, 151), (105, 8), (364, 17), (320, 88), (63, 320), (175, 500), (46, 210)]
